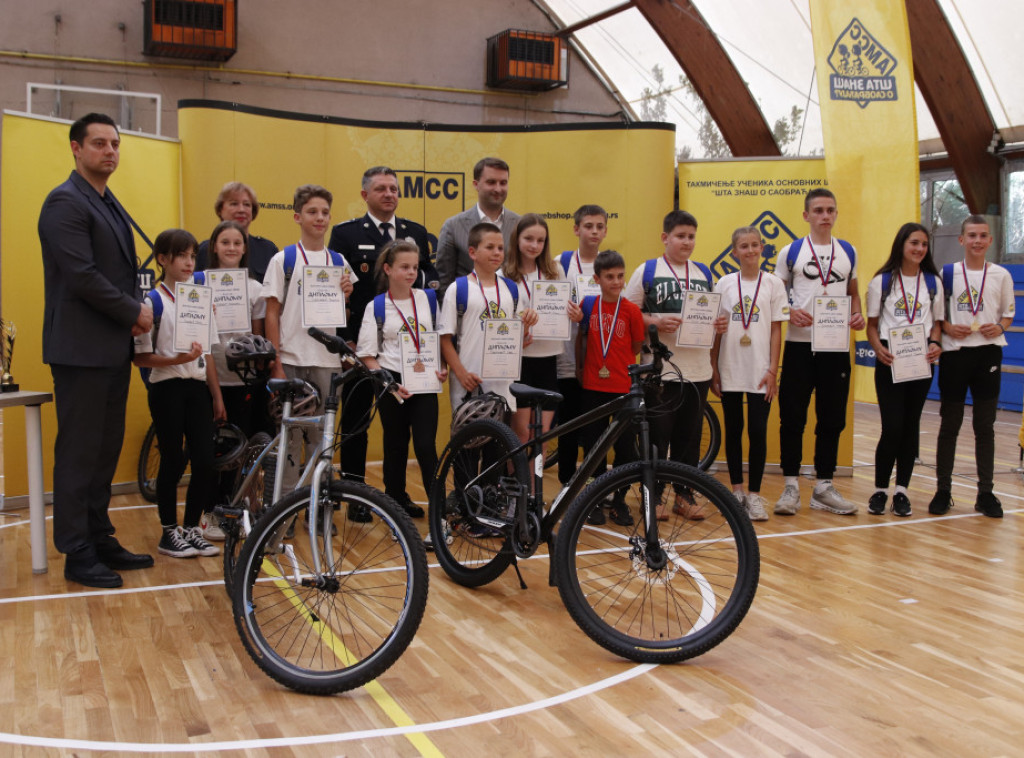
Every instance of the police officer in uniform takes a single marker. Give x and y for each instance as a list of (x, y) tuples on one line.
[(360, 240)]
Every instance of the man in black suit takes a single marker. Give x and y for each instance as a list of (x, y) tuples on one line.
[(360, 240), (93, 309)]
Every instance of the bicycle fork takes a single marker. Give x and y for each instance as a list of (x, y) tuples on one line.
[(654, 554)]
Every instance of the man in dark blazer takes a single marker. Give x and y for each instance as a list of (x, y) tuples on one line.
[(490, 179), (93, 309), (360, 240)]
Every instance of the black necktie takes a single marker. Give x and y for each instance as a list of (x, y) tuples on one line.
[(385, 234)]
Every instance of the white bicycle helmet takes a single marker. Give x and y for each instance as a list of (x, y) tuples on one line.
[(305, 403), (228, 446), (478, 405)]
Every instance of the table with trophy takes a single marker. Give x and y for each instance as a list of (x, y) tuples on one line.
[(11, 396)]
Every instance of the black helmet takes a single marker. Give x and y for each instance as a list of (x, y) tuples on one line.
[(250, 356), (228, 446)]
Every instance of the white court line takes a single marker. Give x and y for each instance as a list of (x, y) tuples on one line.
[(320, 739)]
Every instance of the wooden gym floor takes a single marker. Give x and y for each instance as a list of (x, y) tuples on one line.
[(869, 635)]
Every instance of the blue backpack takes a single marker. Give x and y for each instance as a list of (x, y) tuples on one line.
[(462, 300), (929, 281), (157, 304), (587, 306), (651, 265), (378, 313), (566, 260), (337, 259)]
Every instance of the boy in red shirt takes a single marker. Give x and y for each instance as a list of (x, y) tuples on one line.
[(610, 336)]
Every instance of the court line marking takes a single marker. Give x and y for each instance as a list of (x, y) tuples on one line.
[(320, 739)]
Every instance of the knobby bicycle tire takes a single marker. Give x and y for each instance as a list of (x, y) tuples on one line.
[(710, 439), (349, 629), (667, 614), (469, 553), (255, 500)]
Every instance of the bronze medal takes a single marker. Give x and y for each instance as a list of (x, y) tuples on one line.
[(604, 373), (418, 367), (745, 340)]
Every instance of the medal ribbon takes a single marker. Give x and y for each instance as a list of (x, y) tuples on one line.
[(414, 329), (579, 266), (497, 294), (827, 275), (678, 280), (975, 304), (303, 251), (167, 292), (526, 284), (746, 317), (605, 346), (912, 310)]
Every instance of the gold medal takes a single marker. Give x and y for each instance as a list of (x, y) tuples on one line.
[(745, 340), (975, 326), (418, 367), (604, 373)]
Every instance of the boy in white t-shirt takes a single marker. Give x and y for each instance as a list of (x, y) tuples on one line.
[(590, 225), (822, 265), (299, 355), (488, 296), (745, 361), (980, 309)]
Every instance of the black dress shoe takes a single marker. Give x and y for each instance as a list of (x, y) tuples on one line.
[(120, 559), (410, 507), (91, 574)]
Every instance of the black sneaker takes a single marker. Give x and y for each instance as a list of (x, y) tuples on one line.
[(941, 503), (876, 504), (900, 504), (174, 544), (596, 517), (989, 504), (620, 514)]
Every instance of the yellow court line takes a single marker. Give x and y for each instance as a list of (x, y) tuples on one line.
[(380, 696)]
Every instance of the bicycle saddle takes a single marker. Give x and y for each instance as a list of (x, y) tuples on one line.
[(528, 395)]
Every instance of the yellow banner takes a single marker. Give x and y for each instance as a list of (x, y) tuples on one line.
[(866, 89), (767, 194)]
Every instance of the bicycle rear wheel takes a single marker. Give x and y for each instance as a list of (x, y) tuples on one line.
[(710, 438), (149, 464), (648, 613), (339, 630), (473, 553), (254, 501)]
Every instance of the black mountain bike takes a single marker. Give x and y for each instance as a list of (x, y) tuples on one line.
[(669, 586)]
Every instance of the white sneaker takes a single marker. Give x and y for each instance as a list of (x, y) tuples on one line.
[(827, 499), (789, 502), (210, 528), (194, 536), (755, 507)]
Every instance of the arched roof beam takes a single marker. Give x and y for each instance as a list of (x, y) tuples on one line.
[(713, 75), (956, 104)]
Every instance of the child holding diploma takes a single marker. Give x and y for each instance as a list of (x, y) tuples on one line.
[(745, 362), (488, 297), (905, 292), (184, 400), (527, 263), (611, 334), (408, 316)]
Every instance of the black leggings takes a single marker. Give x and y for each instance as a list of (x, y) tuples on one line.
[(569, 443), (182, 408), (757, 423), (676, 420), (899, 406), (418, 415)]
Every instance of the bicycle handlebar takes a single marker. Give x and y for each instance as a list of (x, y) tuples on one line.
[(338, 346)]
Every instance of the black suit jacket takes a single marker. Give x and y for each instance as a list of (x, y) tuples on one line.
[(360, 242), (90, 272)]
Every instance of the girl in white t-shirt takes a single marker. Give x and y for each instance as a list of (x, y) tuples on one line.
[(184, 400), (745, 362), (527, 261), (406, 311), (912, 295)]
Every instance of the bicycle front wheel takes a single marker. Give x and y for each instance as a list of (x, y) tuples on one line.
[(637, 608), (467, 484), (326, 633), (253, 501)]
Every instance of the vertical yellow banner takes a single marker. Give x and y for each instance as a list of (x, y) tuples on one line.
[(866, 89)]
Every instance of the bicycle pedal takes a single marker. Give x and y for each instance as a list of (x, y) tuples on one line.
[(226, 512)]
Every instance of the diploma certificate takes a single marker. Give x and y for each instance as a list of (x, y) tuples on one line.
[(700, 309), (909, 348), (323, 302), (193, 316), (503, 345), (830, 332), (586, 285), (231, 299), (550, 300), (419, 370)]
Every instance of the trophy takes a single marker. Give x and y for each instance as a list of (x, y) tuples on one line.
[(7, 335)]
